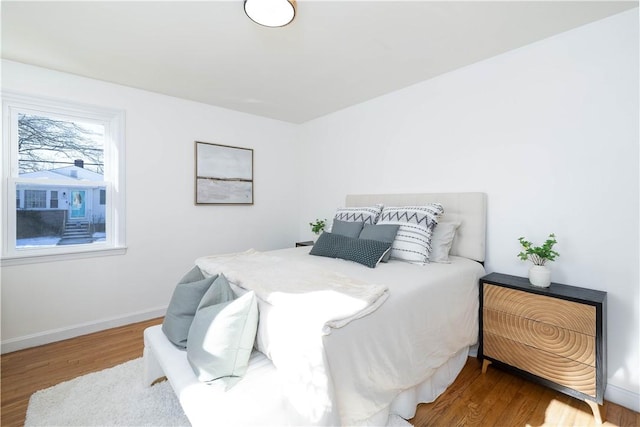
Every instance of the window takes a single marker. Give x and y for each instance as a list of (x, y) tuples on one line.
[(64, 162), (35, 199), (53, 200)]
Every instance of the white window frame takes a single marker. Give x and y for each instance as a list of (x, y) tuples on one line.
[(114, 178)]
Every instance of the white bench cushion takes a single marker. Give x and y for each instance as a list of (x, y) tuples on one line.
[(255, 400)]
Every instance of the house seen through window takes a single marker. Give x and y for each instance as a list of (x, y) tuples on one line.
[(67, 153), (63, 164)]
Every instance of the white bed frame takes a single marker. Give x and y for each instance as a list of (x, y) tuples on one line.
[(256, 399)]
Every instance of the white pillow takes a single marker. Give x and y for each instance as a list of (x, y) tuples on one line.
[(413, 240), (364, 214), (221, 340), (441, 241)]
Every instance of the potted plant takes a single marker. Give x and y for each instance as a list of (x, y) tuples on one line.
[(318, 226), (539, 274)]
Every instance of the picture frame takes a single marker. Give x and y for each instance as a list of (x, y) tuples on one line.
[(223, 174)]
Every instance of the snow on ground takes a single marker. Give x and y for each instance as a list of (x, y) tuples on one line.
[(38, 242)]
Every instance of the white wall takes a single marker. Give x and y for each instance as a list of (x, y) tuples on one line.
[(548, 131), (165, 230)]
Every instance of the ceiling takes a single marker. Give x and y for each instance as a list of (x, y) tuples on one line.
[(334, 54)]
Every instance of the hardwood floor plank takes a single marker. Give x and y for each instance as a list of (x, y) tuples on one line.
[(568, 413), (614, 414), (520, 407), (499, 400), (436, 409), (629, 419), (468, 405), (496, 398)]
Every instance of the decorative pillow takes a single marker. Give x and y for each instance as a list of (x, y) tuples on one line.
[(441, 241), (365, 214), (363, 251), (346, 228), (384, 233), (221, 340), (413, 241), (183, 305), (220, 291)]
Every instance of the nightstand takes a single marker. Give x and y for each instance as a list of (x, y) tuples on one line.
[(305, 243), (555, 336)]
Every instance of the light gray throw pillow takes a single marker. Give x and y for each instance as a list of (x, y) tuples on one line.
[(221, 340), (442, 240), (220, 291), (183, 305), (383, 233), (345, 228)]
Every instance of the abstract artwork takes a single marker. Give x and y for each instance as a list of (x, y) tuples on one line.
[(224, 174)]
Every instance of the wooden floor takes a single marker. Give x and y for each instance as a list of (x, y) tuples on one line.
[(494, 399), (499, 398)]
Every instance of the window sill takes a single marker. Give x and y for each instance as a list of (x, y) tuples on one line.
[(36, 259)]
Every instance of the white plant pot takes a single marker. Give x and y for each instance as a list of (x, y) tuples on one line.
[(540, 276)]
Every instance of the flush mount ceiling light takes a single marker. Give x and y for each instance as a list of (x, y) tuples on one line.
[(270, 13)]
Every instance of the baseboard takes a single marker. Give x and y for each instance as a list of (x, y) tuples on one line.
[(622, 397), (53, 335)]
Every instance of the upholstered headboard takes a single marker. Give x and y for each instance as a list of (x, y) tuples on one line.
[(470, 209)]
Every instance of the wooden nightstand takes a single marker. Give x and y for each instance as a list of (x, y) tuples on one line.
[(555, 336), (305, 243)]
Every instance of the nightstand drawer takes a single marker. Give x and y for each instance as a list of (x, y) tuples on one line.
[(568, 314), (549, 366), (563, 342)]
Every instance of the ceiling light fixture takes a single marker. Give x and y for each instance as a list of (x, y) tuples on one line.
[(270, 13)]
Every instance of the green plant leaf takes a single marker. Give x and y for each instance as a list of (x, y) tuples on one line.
[(539, 255)]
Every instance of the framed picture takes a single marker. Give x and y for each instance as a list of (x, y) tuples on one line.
[(224, 175)]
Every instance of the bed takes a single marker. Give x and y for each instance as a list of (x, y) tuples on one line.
[(405, 348)]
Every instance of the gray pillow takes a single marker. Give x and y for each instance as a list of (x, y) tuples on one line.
[(221, 340), (362, 251), (183, 305), (220, 291), (344, 228), (384, 233)]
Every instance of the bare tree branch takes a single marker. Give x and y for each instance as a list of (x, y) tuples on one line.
[(45, 143)]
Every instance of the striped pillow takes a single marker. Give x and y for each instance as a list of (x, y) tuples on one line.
[(413, 240), (364, 214)]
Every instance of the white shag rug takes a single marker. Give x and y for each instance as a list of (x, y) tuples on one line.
[(114, 397)]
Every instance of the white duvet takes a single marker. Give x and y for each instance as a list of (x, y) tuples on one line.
[(346, 351), (297, 284)]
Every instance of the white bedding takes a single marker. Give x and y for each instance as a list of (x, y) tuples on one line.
[(350, 375), (296, 283)]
